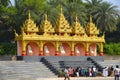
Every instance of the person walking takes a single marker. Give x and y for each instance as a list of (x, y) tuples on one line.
[(66, 74), (117, 72)]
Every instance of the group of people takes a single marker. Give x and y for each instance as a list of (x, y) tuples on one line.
[(91, 72), (77, 72), (107, 71)]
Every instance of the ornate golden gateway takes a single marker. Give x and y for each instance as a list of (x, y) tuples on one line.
[(58, 40)]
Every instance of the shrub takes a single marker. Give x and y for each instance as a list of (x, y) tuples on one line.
[(112, 48), (60, 73), (8, 49)]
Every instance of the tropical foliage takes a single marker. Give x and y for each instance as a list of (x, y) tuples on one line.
[(105, 15), (112, 48)]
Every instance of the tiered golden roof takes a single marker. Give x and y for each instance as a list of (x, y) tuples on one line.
[(91, 29), (77, 28), (62, 25), (29, 27), (62, 31), (46, 26)]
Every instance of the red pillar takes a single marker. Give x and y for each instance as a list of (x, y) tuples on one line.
[(86, 53), (72, 53), (56, 53), (41, 53), (23, 53), (101, 54)]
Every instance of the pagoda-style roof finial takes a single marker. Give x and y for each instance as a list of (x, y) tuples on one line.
[(46, 26), (90, 18), (29, 16), (77, 27), (46, 16), (60, 6), (91, 28), (76, 18)]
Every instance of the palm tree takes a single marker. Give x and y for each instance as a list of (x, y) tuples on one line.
[(92, 5), (105, 17), (51, 9), (72, 8)]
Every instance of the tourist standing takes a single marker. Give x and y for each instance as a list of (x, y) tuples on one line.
[(117, 72), (94, 71), (66, 74), (105, 72), (77, 72)]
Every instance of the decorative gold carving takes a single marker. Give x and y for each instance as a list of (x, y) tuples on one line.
[(62, 25), (15, 33), (29, 27), (77, 28), (46, 26), (91, 29)]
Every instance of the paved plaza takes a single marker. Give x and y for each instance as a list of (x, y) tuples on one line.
[(72, 78), (79, 78)]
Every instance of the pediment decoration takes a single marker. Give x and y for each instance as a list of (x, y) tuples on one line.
[(62, 25), (91, 28), (29, 26), (46, 26), (77, 28)]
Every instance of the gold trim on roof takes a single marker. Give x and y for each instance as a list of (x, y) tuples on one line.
[(46, 26), (29, 27), (62, 32), (77, 28), (91, 29), (62, 25)]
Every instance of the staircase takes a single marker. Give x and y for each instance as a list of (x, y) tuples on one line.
[(59, 63), (20, 70)]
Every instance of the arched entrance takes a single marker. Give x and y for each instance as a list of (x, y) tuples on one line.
[(79, 49), (32, 49), (64, 49), (93, 49), (49, 49)]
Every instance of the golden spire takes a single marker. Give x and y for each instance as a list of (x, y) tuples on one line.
[(90, 18), (77, 28), (46, 26), (29, 16), (60, 6), (91, 28), (76, 18), (46, 17)]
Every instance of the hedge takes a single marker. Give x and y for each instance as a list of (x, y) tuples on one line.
[(112, 48)]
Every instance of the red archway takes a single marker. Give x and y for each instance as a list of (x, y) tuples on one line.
[(79, 49), (32, 49), (49, 49), (64, 49), (93, 49)]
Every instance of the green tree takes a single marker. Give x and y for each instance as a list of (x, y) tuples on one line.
[(92, 5), (105, 17), (118, 24), (73, 8)]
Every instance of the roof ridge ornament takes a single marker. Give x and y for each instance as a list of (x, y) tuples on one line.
[(76, 18), (46, 17), (29, 15), (90, 18), (60, 6)]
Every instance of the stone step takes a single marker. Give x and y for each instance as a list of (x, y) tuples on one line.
[(17, 69)]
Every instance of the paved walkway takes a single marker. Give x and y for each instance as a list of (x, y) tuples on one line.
[(80, 78), (72, 78)]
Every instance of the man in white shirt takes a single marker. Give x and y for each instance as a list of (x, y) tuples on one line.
[(66, 74), (117, 72)]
